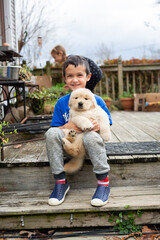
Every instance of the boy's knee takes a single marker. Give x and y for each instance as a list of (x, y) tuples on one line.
[(92, 137), (53, 133)]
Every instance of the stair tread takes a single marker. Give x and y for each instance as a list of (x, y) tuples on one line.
[(78, 200)]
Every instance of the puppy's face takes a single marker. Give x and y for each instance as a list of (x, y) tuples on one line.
[(82, 99)]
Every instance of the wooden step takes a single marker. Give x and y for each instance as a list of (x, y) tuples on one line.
[(27, 168), (29, 209)]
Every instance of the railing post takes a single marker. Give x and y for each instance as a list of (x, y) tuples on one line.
[(134, 82), (158, 81), (107, 85), (48, 68), (120, 77)]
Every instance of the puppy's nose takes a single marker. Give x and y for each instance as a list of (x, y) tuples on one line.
[(80, 104)]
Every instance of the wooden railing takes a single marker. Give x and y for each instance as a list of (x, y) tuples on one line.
[(137, 78), (117, 78)]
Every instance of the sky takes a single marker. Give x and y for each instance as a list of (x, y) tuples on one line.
[(126, 28)]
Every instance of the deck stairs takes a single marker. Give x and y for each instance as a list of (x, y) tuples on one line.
[(26, 183)]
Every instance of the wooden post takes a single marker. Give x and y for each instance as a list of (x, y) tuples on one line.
[(134, 82), (113, 87), (48, 68), (152, 81), (140, 82), (158, 79), (120, 77), (145, 81), (127, 77), (100, 87), (107, 85)]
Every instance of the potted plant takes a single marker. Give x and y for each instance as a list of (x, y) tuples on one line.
[(107, 100), (127, 101), (37, 99), (46, 98)]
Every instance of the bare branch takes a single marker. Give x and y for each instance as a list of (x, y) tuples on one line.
[(32, 21)]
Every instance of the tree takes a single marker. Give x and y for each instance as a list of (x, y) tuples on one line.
[(32, 21), (103, 53)]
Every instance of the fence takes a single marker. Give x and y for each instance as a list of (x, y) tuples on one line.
[(117, 78), (137, 78)]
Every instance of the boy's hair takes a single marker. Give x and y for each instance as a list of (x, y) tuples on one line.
[(57, 49), (75, 61)]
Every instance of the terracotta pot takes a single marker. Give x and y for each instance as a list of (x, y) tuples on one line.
[(127, 103), (108, 102)]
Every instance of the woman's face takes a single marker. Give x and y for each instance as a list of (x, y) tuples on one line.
[(58, 57)]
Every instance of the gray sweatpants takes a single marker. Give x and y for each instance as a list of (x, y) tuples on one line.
[(94, 146)]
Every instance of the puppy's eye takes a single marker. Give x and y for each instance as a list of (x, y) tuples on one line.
[(86, 98), (76, 97)]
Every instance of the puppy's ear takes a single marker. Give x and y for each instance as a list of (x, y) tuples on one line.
[(70, 102), (94, 102)]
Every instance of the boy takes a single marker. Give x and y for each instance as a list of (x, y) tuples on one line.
[(76, 73), (59, 55)]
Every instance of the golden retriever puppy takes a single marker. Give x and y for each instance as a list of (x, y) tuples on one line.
[(83, 107)]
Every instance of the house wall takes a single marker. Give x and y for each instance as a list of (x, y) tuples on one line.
[(0, 32), (10, 23)]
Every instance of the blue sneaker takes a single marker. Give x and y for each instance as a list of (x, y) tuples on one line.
[(101, 196), (58, 195)]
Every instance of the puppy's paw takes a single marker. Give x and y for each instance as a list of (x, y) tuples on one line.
[(87, 128), (72, 133)]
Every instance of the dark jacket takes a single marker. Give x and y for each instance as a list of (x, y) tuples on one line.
[(96, 74)]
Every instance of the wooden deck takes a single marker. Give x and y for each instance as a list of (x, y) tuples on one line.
[(135, 126), (26, 182)]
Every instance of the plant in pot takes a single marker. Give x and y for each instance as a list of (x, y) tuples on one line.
[(37, 99), (53, 94), (127, 101), (107, 100)]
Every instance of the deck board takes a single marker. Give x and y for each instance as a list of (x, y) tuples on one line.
[(32, 202), (147, 122), (29, 210)]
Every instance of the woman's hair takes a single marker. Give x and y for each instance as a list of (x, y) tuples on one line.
[(59, 49), (75, 61)]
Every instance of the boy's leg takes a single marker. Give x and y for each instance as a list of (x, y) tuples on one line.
[(95, 149), (56, 158)]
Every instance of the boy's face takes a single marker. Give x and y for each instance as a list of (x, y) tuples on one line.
[(76, 77)]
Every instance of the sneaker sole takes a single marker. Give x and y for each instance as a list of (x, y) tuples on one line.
[(55, 201), (96, 202)]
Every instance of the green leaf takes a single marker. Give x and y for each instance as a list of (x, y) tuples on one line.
[(131, 215), (118, 221), (127, 206), (126, 231), (129, 226)]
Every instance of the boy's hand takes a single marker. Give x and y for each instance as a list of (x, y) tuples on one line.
[(71, 125), (96, 125)]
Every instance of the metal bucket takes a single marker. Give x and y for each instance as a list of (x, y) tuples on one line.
[(9, 72)]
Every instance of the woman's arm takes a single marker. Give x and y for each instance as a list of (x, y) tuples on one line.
[(96, 74)]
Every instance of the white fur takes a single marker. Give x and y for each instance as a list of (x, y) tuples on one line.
[(83, 107)]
